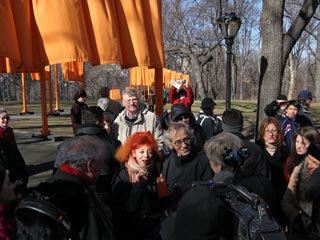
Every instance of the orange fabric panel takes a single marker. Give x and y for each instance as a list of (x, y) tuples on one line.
[(20, 40), (72, 71), (37, 75), (115, 94), (140, 21), (39, 33)]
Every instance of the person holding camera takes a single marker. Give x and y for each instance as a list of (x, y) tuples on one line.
[(181, 92), (277, 107), (228, 158)]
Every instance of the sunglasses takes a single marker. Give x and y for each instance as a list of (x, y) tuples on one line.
[(185, 116)]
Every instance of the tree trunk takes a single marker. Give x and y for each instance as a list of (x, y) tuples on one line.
[(292, 69), (271, 54), (317, 75), (198, 76)]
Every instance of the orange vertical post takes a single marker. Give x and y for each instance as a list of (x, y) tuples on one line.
[(50, 93), (24, 95), (158, 89), (44, 131), (56, 87)]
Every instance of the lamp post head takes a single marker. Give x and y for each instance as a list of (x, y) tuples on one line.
[(229, 25)]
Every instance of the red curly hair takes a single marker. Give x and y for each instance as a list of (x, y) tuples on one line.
[(135, 141)]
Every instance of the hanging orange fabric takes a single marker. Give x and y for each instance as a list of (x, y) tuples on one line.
[(72, 71)]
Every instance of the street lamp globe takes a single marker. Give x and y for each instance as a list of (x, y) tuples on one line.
[(229, 25)]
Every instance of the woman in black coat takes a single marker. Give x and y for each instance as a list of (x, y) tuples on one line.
[(271, 141)]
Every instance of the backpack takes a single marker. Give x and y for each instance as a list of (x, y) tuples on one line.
[(216, 122)]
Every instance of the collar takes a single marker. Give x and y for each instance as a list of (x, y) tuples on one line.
[(73, 171)]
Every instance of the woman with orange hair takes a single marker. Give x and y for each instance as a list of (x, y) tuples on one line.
[(134, 187)]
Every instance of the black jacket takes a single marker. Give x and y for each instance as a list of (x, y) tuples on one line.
[(181, 172), (136, 206), (11, 159), (89, 217)]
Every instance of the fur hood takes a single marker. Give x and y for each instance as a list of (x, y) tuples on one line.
[(302, 181)]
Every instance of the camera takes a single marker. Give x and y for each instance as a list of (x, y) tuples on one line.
[(236, 158), (249, 215)]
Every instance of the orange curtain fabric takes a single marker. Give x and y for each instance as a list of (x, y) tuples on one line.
[(72, 71), (46, 74), (36, 33), (115, 94), (140, 76)]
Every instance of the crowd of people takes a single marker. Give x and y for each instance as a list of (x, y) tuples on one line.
[(129, 174)]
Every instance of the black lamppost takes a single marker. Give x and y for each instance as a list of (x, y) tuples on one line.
[(229, 25)]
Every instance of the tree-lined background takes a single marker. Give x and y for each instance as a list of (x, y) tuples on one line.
[(277, 48)]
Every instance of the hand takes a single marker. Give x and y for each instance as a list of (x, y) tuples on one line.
[(293, 178), (142, 175)]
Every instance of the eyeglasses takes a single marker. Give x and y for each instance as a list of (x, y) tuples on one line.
[(185, 116), (8, 118), (273, 132), (131, 100), (186, 141)]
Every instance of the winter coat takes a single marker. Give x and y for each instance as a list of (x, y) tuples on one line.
[(89, 217), (187, 101), (7, 133), (136, 206), (294, 203), (122, 128), (276, 164), (75, 114), (256, 160), (289, 126), (181, 171)]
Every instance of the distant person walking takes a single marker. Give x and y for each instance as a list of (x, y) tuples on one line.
[(6, 132), (76, 109)]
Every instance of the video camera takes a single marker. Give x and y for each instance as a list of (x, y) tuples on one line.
[(249, 214)]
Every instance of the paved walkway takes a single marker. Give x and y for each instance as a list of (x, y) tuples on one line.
[(38, 154)]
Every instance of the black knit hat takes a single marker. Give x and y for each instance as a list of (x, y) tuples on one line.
[(207, 103), (200, 215), (232, 120), (179, 109), (314, 150), (282, 98), (80, 93)]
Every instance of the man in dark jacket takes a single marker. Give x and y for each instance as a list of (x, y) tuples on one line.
[(210, 123), (184, 164), (92, 124), (70, 192), (277, 107), (232, 122)]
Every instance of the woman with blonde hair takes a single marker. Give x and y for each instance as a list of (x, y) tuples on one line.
[(134, 187)]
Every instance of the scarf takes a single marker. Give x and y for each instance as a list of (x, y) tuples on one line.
[(271, 149), (134, 169), (73, 171)]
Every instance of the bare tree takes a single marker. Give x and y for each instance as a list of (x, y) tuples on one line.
[(277, 45)]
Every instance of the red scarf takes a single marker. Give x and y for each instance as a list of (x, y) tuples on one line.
[(73, 171)]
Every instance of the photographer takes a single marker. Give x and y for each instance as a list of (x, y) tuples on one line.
[(181, 92), (228, 159)]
